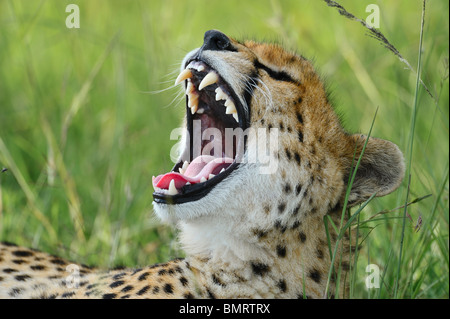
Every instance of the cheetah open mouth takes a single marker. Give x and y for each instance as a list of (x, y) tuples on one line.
[(214, 146)]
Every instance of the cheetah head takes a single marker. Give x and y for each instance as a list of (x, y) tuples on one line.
[(262, 147)]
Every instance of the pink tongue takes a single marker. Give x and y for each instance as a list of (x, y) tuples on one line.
[(200, 167)]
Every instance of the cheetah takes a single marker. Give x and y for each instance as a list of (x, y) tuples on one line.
[(249, 229)]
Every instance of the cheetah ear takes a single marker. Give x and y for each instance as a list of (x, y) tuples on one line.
[(380, 171)]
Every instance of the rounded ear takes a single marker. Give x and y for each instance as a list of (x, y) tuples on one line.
[(380, 171)]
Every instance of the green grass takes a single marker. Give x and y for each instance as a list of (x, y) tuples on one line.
[(81, 136)]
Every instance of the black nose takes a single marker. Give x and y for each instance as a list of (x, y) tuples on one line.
[(216, 40)]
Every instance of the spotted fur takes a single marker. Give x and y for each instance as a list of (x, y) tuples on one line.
[(253, 235)]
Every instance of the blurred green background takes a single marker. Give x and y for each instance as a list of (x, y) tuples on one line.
[(82, 130)]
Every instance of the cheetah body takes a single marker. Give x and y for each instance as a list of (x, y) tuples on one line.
[(252, 235)]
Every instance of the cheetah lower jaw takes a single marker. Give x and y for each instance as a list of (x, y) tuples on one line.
[(201, 169)]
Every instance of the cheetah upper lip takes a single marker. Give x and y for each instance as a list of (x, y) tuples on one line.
[(210, 100)]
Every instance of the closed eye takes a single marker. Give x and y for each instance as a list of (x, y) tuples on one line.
[(276, 75)]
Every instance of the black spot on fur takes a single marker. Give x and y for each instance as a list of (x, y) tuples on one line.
[(297, 158), (287, 188), (143, 290), (58, 261), (118, 276), (295, 211), (217, 281), (300, 136), (127, 288), (296, 224), (18, 261), (298, 189), (136, 271), (168, 288), (299, 101), (281, 251), (109, 296), (9, 270), (260, 233), (67, 294), (15, 292), (299, 117), (188, 296), (22, 253), (143, 276), (315, 275), (162, 272), (259, 269), (278, 225), (183, 281), (302, 237), (288, 154), (155, 290), (37, 267), (281, 207), (210, 294), (117, 284), (282, 285), (22, 277), (319, 253)]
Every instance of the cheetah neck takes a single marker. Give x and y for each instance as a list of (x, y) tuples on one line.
[(281, 262)]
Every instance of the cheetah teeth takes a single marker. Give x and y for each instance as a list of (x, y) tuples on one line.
[(209, 79), (193, 94), (172, 190), (185, 74)]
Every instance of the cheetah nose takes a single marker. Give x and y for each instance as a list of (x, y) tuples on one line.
[(216, 40)]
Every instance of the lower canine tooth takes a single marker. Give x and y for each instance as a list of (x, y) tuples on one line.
[(203, 179), (172, 189), (211, 176), (209, 79)]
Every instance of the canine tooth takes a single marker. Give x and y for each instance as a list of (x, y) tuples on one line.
[(211, 176), (220, 95), (203, 179), (222, 170), (172, 188), (236, 117), (209, 79), (231, 108), (185, 74), (182, 169)]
